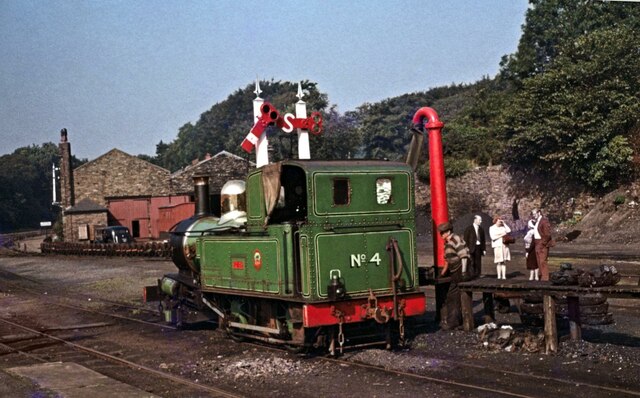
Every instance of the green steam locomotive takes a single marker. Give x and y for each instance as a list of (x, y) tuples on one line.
[(305, 253)]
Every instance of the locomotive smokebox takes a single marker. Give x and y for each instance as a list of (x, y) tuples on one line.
[(201, 190), (185, 233)]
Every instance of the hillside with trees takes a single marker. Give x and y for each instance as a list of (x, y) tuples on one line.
[(565, 104), (564, 109), (27, 186)]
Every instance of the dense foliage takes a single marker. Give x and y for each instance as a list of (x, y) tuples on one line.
[(552, 23), (26, 181), (575, 120), (224, 126)]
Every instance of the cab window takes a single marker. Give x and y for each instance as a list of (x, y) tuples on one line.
[(341, 192), (383, 191)]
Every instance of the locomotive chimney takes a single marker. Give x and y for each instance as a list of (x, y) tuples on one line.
[(67, 195), (201, 189)]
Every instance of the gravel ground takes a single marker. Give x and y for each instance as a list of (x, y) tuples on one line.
[(607, 352)]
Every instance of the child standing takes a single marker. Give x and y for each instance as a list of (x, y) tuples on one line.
[(530, 252)]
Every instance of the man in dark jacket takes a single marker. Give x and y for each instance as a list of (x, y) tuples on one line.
[(474, 236)]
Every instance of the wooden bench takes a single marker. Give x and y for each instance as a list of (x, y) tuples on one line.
[(489, 286)]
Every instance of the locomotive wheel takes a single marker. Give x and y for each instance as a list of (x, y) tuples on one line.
[(222, 324), (297, 349), (233, 336)]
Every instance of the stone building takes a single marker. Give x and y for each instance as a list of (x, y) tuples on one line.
[(120, 189), (220, 168), (118, 174), (81, 220)]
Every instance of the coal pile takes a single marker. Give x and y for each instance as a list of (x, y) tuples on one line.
[(594, 309), (602, 275), (504, 338)]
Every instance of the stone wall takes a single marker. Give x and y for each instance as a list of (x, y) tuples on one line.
[(490, 190), (118, 174), (72, 222), (494, 191)]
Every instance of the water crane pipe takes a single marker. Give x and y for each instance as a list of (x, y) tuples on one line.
[(426, 118)]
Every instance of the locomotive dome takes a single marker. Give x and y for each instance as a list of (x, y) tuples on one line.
[(233, 202)]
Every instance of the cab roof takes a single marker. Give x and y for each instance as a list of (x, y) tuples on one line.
[(345, 165)]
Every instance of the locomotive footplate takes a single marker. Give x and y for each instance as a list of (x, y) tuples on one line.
[(352, 311)]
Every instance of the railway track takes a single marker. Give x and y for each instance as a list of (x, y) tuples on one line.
[(479, 380), (10, 278), (476, 379), (504, 382), (42, 340)]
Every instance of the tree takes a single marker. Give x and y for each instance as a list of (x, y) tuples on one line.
[(575, 119), (472, 135), (26, 181), (551, 23), (384, 126), (224, 126), (340, 138)]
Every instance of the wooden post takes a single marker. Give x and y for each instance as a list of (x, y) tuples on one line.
[(466, 300), (550, 329), (573, 303), (487, 301)]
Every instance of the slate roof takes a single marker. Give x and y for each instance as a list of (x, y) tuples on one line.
[(221, 167), (86, 206)]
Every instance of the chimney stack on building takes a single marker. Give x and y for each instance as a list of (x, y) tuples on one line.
[(67, 196)]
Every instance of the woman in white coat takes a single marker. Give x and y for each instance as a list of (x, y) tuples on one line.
[(501, 253)]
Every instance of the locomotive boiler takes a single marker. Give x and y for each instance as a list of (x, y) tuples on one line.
[(305, 253)]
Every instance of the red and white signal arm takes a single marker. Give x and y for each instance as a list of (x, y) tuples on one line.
[(257, 260)]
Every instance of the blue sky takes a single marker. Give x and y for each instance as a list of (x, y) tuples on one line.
[(127, 74)]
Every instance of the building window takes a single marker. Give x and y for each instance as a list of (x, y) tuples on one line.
[(341, 192)]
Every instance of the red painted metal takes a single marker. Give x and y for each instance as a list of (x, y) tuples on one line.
[(269, 115), (127, 210), (170, 215), (153, 215), (427, 118), (312, 123), (323, 314)]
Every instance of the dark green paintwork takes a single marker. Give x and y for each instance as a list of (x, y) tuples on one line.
[(347, 239)]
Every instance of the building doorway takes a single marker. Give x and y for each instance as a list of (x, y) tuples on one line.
[(135, 228)]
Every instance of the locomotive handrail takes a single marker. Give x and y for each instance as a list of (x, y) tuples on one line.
[(394, 252), (369, 227)]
